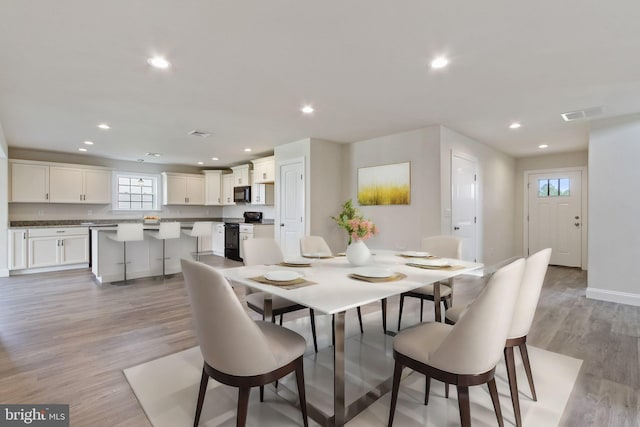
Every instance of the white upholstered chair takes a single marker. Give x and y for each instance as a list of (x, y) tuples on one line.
[(238, 351), (464, 354), (442, 246), (263, 250), (529, 294), (166, 231), (127, 232), (199, 230)]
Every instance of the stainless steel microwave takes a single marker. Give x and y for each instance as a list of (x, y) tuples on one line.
[(242, 194)]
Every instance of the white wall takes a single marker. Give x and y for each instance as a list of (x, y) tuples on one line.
[(401, 226), (496, 193), (548, 161), (614, 209)]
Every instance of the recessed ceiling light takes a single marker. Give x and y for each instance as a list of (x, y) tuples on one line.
[(514, 125), (104, 126), (159, 62), (201, 163), (214, 158), (88, 142), (543, 146), (307, 109), (439, 62), (153, 154), (247, 149), (82, 149)]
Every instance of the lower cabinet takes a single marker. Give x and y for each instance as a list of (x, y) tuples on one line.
[(48, 247), (17, 249)]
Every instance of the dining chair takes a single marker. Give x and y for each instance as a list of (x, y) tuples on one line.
[(166, 231), (126, 233), (442, 246), (464, 354), (199, 230), (238, 351), (265, 250), (529, 294)]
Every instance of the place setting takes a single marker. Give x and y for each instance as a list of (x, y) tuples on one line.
[(376, 275), (416, 254), (285, 279), (295, 262), (434, 264)]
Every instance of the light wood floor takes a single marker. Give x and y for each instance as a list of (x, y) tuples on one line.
[(65, 339)]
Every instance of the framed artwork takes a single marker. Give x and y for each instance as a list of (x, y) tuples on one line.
[(385, 184)]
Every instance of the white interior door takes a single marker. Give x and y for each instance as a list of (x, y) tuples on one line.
[(464, 195), (555, 216), (291, 207)]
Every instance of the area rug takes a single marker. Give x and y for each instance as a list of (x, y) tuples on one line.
[(167, 388)]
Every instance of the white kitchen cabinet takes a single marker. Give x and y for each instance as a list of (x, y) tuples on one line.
[(79, 185), (218, 238), (213, 188), (29, 182), (182, 189), (48, 247), (264, 170), (17, 249), (227, 189), (262, 194), (241, 176)]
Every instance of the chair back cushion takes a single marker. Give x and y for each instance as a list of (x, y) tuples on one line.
[(130, 232), (261, 250), (230, 340), (475, 343), (444, 246), (532, 280), (169, 230), (314, 245)]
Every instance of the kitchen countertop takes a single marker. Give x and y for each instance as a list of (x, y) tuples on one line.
[(113, 222)]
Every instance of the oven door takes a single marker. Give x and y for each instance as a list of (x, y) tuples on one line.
[(232, 241)]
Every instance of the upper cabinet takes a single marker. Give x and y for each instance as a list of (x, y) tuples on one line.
[(264, 170), (213, 188), (241, 176), (182, 189), (39, 182), (227, 189)]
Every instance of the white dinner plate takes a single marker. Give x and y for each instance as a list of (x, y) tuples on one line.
[(297, 261), (376, 272), (431, 262), (416, 254), (282, 275)]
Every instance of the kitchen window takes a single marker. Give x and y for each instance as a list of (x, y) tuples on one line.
[(136, 192)]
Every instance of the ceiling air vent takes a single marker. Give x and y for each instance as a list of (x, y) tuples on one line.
[(200, 133), (587, 113)]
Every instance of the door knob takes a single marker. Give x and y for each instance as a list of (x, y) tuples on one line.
[(576, 217), (456, 228), (577, 224), (281, 225)]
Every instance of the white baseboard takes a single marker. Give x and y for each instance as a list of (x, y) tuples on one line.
[(613, 296), (4, 272)]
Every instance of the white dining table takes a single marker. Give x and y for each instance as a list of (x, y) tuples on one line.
[(334, 292)]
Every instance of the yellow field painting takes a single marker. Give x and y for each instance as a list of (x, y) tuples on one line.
[(385, 184), (384, 195)]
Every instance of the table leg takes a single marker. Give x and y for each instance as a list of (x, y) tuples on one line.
[(339, 408), (436, 300)]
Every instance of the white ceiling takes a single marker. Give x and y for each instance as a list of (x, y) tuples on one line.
[(243, 70)]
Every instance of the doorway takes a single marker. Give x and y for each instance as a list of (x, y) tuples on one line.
[(555, 215), (292, 202), (464, 203)]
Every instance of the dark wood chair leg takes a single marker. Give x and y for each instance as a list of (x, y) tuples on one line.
[(360, 319), (400, 311), (273, 318), (513, 383), (301, 393), (243, 405), (397, 373), (493, 390), (463, 404), (312, 315), (446, 390), (261, 393), (204, 380), (421, 308), (527, 368), (383, 303), (427, 388), (281, 320), (333, 330)]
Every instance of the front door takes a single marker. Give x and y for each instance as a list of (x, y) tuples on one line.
[(555, 216), (464, 193), (292, 224)]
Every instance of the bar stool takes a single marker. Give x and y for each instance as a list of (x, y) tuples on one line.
[(167, 230), (127, 233), (200, 229)]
